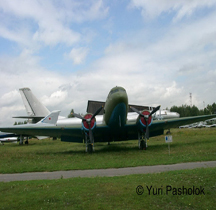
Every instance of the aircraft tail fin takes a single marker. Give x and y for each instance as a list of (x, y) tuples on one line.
[(51, 118), (33, 106)]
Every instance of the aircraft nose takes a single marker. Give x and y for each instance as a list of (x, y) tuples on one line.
[(120, 97)]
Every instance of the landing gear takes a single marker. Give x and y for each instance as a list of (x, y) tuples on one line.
[(90, 148), (89, 144), (142, 143), (26, 142), (21, 140), (88, 124), (168, 132)]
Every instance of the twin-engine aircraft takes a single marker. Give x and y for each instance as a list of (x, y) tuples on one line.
[(113, 125)]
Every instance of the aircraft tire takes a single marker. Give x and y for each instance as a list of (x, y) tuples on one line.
[(142, 145), (168, 132), (90, 148)]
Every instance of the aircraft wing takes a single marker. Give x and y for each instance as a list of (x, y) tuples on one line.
[(175, 123), (74, 134), (102, 133), (38, 118)]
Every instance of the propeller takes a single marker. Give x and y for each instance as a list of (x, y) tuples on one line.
[(146, 117), (88, 121)]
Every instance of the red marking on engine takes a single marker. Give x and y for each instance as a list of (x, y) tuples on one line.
[(49, 118), (85, 124), (149, 119)]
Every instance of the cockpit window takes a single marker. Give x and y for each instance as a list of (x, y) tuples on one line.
[(114, 91), (117, 90)]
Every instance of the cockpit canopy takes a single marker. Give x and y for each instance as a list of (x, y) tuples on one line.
[(117, 89)]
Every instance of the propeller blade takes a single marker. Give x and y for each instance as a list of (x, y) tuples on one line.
[(78, 116), (147, 127), (147, 131), (137, 111), (97, 112), (90, 132), (154, 110)]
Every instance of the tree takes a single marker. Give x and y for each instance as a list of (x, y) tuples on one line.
[(185, 110), (21, 123), (71, 114), (194, 111), (210, 109), (214, 108)]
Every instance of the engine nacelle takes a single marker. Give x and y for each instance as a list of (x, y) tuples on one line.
[(141, 121), (85, 124)]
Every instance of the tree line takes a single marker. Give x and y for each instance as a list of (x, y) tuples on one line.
[(187, 111), (21, 123)]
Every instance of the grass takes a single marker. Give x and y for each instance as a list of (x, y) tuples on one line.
[(112, 192), (188, 145)]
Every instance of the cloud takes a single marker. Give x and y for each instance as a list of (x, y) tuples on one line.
[(78, 55), (82, 11), (9, 98), (55, 98), (48, 22), (9, 107), (162, 70), (53, 35), (181, 8), (19, 35)]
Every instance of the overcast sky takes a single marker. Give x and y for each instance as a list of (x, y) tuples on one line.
[(69, 51)]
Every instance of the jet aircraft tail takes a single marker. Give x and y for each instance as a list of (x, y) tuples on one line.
[(51, 118), (33, 106)]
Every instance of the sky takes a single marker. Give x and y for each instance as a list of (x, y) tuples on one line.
[(71, 51)]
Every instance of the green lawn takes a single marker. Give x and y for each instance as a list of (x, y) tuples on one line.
[(112, 192), (48, 155)]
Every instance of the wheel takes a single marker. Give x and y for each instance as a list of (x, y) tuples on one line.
[(168, 132), (142, 145), (90, 148)]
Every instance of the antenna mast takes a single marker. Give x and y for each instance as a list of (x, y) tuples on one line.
[(191, 99)]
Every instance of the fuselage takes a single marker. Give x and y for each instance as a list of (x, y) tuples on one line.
[(116, 108), (165, 114), (115, 111), (8, 139)]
